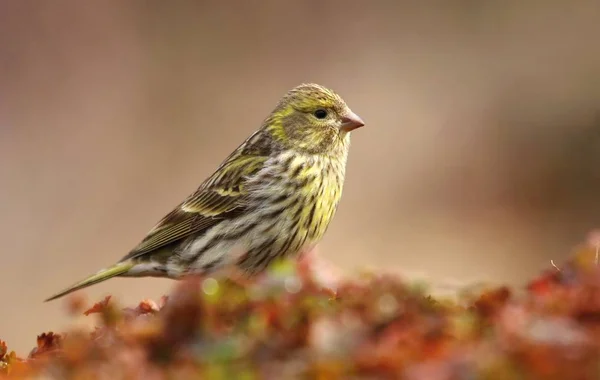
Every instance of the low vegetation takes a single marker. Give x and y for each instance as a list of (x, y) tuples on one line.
[(286, 326)]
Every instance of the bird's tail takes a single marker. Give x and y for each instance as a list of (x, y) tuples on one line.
[(102, 275)]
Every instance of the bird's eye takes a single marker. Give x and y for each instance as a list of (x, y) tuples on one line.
[(320, 114)]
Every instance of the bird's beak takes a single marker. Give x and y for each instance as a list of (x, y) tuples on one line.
[(351, 121)]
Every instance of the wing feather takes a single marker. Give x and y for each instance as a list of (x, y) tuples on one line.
[(220, 197)]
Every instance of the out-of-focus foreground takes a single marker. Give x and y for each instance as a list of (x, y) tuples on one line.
[(480, 159), (287, 326)]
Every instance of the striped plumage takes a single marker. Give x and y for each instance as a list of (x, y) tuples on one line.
[(274, 196)]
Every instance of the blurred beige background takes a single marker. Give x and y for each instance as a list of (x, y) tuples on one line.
[(480, 159)]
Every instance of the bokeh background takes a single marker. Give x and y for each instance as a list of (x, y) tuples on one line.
[(480, 159)]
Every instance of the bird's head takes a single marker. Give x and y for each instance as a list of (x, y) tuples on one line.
[(312, 119)]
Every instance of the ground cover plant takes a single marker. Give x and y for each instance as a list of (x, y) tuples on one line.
[(374, 326)]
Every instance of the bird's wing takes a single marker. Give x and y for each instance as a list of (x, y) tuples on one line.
[(220, 197)]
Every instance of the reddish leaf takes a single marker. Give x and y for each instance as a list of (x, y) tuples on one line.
[(543, 284), (489, 303), (3, 349), (147, 306), (46, 342), (98, 307)]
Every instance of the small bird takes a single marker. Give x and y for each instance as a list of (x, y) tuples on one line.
[(273, 197)]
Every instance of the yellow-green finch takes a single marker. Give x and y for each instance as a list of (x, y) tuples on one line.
[(273, 197)]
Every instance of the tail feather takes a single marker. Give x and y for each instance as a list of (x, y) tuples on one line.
[(102, 275)]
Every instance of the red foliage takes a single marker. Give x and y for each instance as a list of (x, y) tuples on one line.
[(99, 307), (286, 325), (46, 343), (3, 349)]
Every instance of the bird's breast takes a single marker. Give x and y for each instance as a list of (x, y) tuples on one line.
[(291, 202), (313, 190)]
